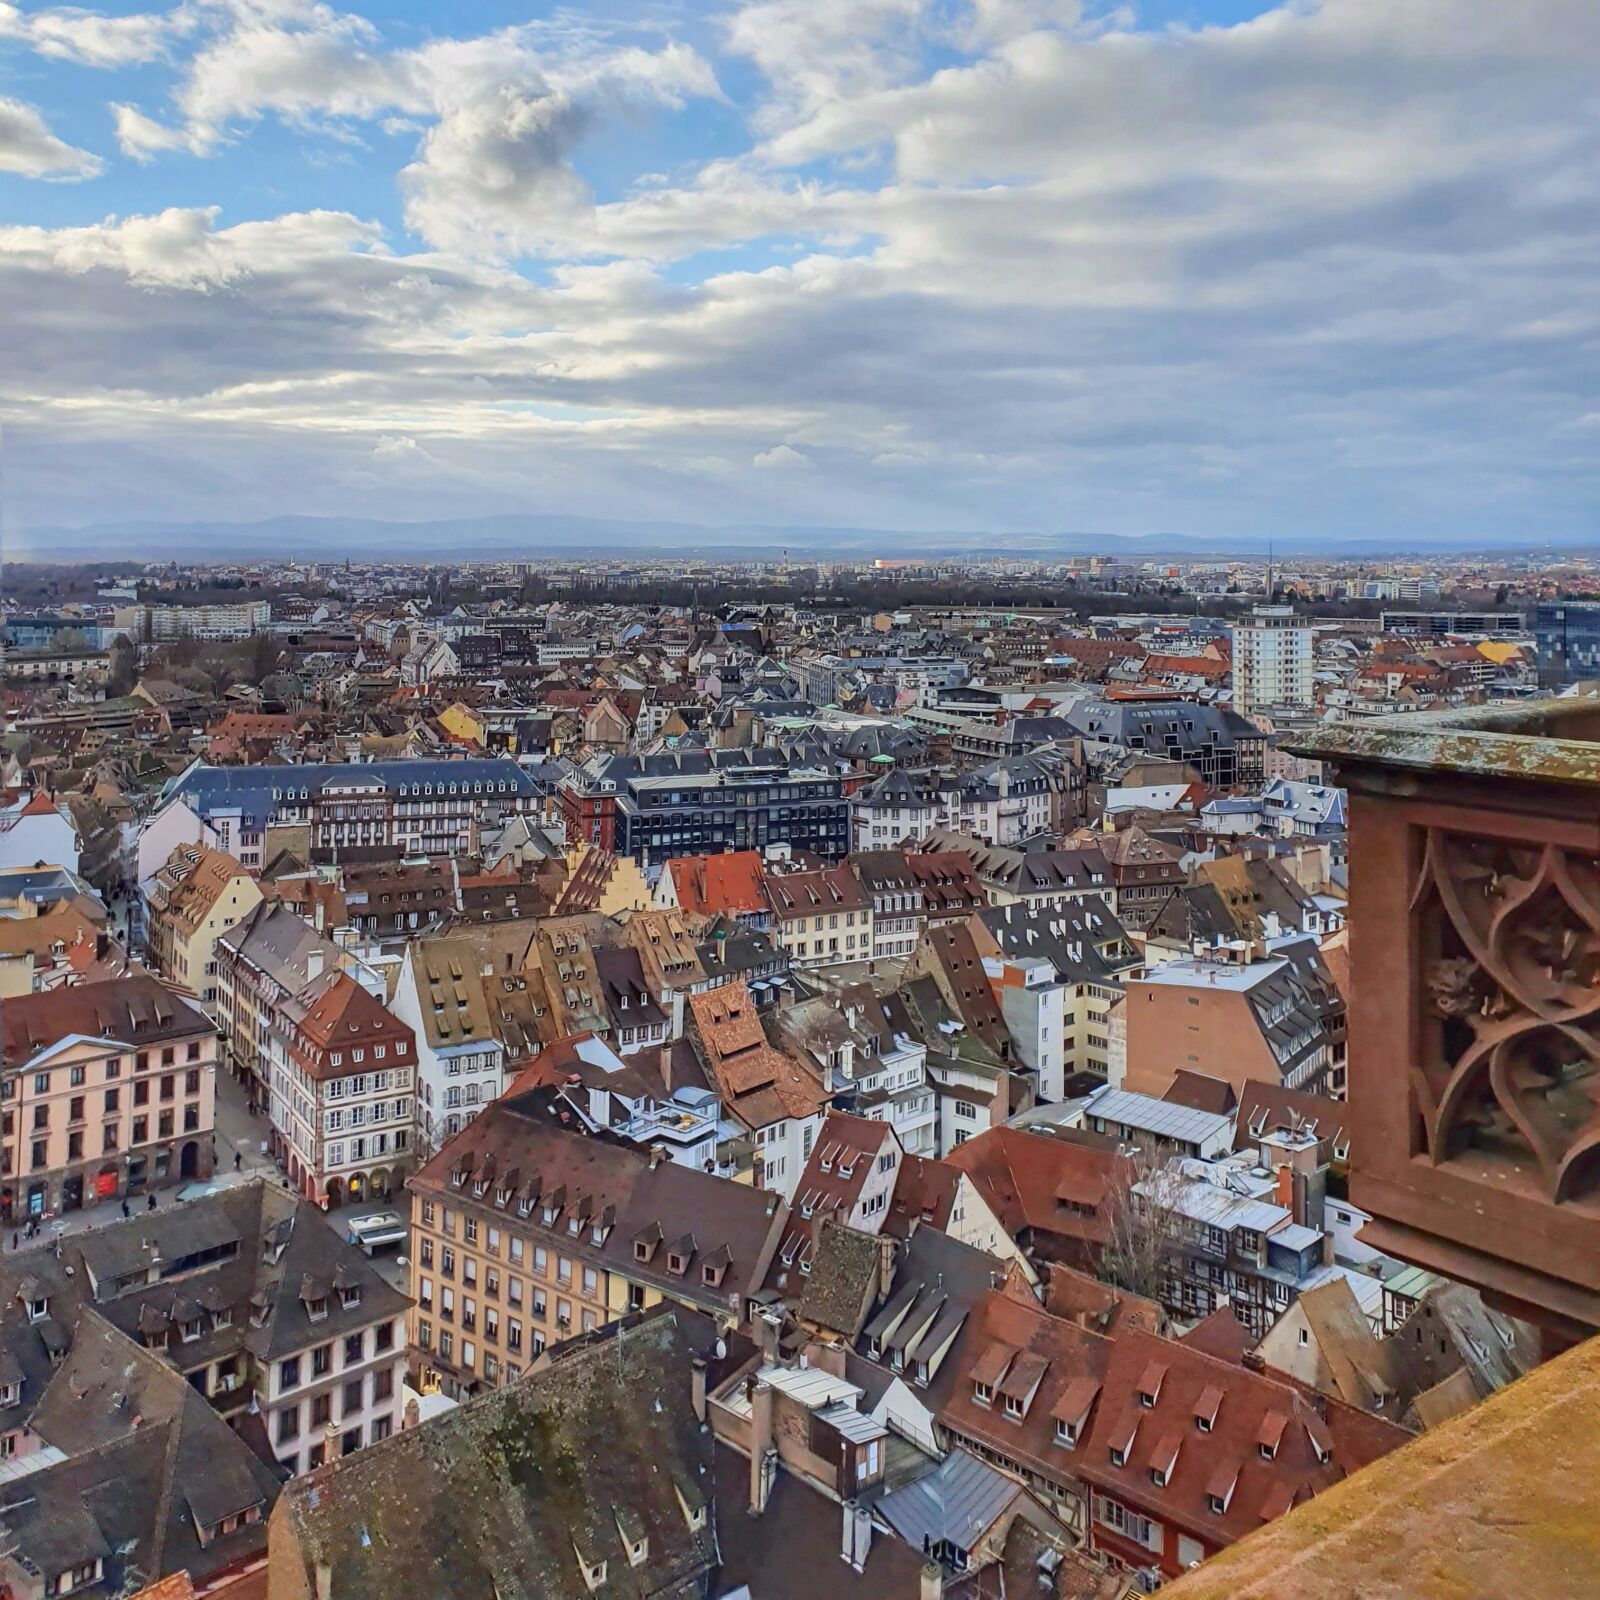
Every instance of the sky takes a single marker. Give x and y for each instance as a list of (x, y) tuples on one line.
[(1204, 266)]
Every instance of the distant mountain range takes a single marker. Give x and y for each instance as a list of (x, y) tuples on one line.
[(509, 536)]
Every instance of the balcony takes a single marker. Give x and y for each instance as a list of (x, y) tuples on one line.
[(1474, 1038)]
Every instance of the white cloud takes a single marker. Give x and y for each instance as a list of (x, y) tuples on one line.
[(143, 137), (89, 38), (998, 265), (28, 148), (780, 455)]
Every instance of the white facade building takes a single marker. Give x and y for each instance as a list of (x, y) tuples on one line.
[(1272, 661)]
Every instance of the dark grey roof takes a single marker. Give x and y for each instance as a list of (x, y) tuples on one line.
[(251, 789), (1082, 940)]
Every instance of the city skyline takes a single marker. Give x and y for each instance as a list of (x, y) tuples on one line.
[(1214, 270)]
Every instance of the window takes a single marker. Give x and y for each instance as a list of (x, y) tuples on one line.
[(983, 1394), (322, 1361), (289, 1372), (288, 1424)]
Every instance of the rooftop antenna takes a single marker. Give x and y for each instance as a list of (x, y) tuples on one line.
[(1269, 570)]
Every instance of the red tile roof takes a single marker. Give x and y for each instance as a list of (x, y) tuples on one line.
[(1140, 1395), (731, 882), (1022, 1175)]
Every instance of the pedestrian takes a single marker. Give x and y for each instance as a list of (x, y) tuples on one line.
[(236, 1160), (16, 1240), (150, 1203), (126, 1211)]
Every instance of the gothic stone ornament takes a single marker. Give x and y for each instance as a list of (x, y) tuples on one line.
[(1509, 940)]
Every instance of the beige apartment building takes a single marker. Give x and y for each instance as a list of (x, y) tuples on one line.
[(525, 1234), (198, 894), (108, 1090)]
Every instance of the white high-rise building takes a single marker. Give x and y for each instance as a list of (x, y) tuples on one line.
[(1272, 660)]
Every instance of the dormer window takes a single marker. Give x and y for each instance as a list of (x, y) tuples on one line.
[(10, 1394), (641, 1250), (350, 1296), (1119, 1456), (317, 1309), (983, 1393), (501, 1196), (1014, 1405), (38, 1308), (192, 1330), (637, 1552), (1215, 1504), (675, 1262), (595, 1575), (1066, 1434)]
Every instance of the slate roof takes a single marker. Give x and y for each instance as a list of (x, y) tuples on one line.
[(126, 1270), (1082, 940), (146, 1457), (513, 1494), (251, 789)]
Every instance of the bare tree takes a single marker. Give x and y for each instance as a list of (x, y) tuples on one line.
[(1144, 1223)]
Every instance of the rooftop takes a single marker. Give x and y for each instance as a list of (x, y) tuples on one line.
[(1498, 1501)]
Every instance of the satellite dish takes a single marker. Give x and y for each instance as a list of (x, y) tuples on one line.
[(722, 1348)]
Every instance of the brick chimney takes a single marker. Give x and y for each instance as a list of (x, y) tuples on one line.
[(763, 1458)]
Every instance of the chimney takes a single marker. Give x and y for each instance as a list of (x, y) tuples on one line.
[(763, 1458), (697, 1387), (856, 1539), (314, 960), (932, 1584), (885, 1266), (658, 1154)]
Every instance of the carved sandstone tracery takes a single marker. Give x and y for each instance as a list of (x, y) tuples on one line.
[(1509, 1068)]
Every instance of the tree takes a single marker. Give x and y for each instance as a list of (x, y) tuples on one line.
[(282, 687), (124, 665), (1144, 1224)]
